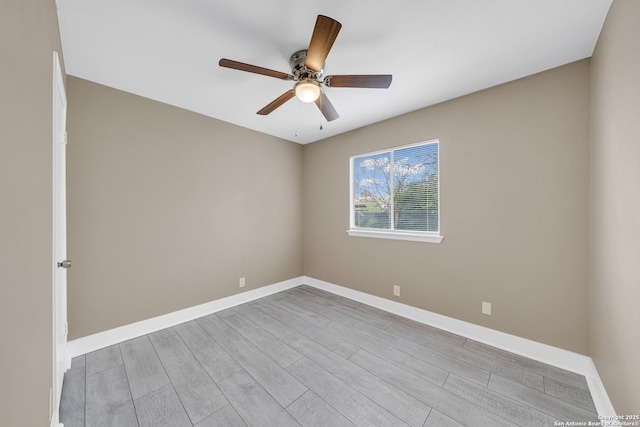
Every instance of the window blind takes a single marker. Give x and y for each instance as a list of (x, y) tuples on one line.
[(397, 189)]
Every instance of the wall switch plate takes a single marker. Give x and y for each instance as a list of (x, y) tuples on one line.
[(396, 290), (241, 283), (486, 308)]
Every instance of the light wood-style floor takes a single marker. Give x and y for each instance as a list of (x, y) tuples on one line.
[(307, 357)]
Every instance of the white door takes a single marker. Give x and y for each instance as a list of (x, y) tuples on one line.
[(60, 262)]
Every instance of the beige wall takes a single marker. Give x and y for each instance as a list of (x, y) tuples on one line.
[(514, 164), (168, 208), (615, 207), (28, 36)]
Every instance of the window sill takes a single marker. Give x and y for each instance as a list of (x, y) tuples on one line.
[(396, 235)]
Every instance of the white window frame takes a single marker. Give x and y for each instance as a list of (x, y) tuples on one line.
[(415, 236)]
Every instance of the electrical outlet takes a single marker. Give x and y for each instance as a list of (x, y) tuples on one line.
[(396, 290), (486, 308), (241, 283)]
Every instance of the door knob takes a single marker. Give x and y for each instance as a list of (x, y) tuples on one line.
[(65, 264)]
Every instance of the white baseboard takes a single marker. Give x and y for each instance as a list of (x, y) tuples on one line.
[(599, 393), (558, 357), (555, 356), (123, 333)]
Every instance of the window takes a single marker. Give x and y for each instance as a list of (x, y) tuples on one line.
[(395, 193)]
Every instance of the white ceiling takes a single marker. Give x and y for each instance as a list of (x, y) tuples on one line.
[(168, 50)]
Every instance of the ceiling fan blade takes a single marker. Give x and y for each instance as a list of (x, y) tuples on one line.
[(228, 63), (324, 34), (326, 107), (276, 103), (378, 81)]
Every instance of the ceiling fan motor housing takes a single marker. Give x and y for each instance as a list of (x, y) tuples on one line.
[(299, 70)]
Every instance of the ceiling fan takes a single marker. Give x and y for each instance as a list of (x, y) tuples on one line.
[(307, 68)]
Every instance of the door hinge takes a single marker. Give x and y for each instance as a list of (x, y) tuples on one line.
[(66, 328), (65, 137)]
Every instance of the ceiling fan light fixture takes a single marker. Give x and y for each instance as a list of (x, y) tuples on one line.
[(307, 68), (307, 90)]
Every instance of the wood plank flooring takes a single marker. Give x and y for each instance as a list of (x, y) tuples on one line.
[(305, 357)]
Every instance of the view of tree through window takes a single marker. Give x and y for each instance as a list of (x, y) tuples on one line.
[(397, 189)]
